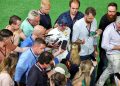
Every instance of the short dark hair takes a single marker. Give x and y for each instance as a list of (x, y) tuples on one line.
[(76, 1), (58, 79), (13, 19), (112, 4), (90, 10), (39, 41), (5, 33), (45, 57)]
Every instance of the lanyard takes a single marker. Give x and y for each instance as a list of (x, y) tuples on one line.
[(33, 55), (116, 30), (41, 69), (88, 29)]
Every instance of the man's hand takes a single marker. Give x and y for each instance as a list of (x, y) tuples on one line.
[(59, 51), (94, 63), (98, 32), (80, 41), (95, 54), (117, 47), (54, 46)]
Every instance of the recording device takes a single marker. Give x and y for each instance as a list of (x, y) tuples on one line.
[(59, 43), (56, 41), (64, 44), (48, 39)]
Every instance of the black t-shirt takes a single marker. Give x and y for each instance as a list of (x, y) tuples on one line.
[(104, 22), (37, 76), (45, 21)]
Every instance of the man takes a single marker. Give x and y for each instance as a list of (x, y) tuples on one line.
[(111, 44), (84, 30), (27, 59), (29, 23), (106, 19), (6, 44), (59, 35), (38, 32), (45, 19), (37, 75), (14, 26), (72, 15)]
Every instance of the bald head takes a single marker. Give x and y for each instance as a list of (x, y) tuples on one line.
[(45, 6), (45, 3), (39, 31)]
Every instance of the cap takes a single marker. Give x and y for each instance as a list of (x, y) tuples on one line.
[(62, 22), (61, 68), (118, 19)]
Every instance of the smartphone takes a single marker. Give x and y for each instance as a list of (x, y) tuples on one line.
[(56, 41), (59, 43), (64, 44)]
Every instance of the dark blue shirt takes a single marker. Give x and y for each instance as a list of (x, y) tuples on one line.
[(70, 22), (45, 21), (37, 76)]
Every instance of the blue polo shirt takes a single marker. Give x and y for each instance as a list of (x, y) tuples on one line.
[(70, 21), (26, 60), (28, 42)]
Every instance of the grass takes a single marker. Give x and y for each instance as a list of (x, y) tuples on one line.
[(22, 7)]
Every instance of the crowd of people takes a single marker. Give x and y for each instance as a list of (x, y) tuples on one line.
[(35, 53)]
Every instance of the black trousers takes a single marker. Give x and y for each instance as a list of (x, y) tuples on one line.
[(102, 63), (20, 84)]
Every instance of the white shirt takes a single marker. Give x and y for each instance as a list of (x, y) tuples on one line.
[(62, 35), (110, 38), (80, 31), (5, 79)]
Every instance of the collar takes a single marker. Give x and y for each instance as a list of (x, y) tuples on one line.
[(38, 66), (84, 23), (32, 38), (27, 20), (114, 25), (40, 12), (35, 56)]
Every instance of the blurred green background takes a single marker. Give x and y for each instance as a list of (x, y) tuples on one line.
[(22, 7)]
